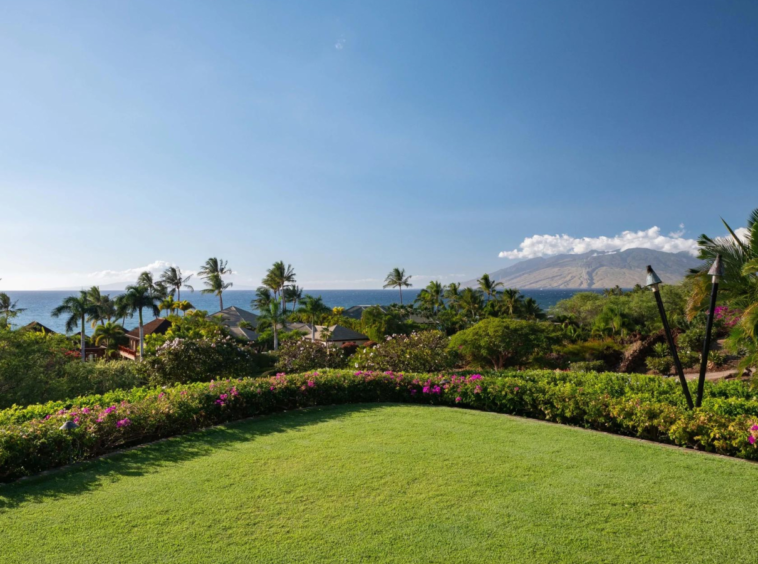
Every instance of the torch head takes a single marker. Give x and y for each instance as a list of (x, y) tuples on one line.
[(717, 269), (653, 280)]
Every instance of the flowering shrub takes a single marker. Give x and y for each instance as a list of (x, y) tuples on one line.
[(729, 317), (425, 351), (303, 354), (636, 405), (196, 360)]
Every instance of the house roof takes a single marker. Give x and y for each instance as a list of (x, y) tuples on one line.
[(243, 333), (157, 326), (232, 316), (339, 333), (38, 327), (356, 312)]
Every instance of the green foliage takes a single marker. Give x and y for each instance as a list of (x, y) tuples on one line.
[(423, 351), (620, 314), (500, 343), (194, 325), (302, 354), (38, 368), (588, 366), (606, 350), (642, 406), (201, 360), (378, 324)]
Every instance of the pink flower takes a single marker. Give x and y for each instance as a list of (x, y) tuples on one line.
[(272, 388), (220, 402), (85, 410), (161, 395), (458, 399), (754, 428), (311, 383), (413, 392), (436, 390), (474, 377), (235, 392), (123, 423), (478, 390), (184, 392), (223, 396), (751, 439), (516, 389), (425, 389)]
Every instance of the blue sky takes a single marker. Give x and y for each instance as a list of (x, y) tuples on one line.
[(347, 138)]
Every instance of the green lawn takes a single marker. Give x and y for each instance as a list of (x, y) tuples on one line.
[(388, 483)]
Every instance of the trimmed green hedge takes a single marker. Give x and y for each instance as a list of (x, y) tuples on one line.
[(649, 407)]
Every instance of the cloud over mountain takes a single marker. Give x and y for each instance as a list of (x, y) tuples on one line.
[(547, 245)]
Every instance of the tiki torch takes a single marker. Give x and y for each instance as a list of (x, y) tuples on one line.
[(653, 282), (716, 272)]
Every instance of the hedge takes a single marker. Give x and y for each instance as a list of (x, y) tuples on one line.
[(648, 407)]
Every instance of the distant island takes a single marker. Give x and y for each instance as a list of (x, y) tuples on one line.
[(594, 269)]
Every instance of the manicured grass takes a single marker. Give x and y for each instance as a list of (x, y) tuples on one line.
[(388, 483)]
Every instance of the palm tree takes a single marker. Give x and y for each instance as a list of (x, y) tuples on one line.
[(277, 278), (452, 294), (397, 279), (531, 309), (263, 297), (471, 303), (184, 306), (103, 308), (111, 333), (274, 314), (173, 278), (122, 308), (213, 271), (489, 286), (431, 297), (739, 285), (169, 304), (8, 308), (313, 307), (136, 299), (77, 308), (293, 294), (511, 300), (215, 285)]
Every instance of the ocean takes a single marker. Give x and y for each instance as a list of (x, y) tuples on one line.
[(38, 305)]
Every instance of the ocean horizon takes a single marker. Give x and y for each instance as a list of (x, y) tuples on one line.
[(39, 304)]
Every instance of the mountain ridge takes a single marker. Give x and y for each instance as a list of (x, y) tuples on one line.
[(593, 270)]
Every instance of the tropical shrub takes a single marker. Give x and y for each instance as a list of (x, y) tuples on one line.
[(378, 324), (499, 343), (35, 368), (606, 350), (648, 407), (424, 351), (588, 366), (303, 354), (202, 360)]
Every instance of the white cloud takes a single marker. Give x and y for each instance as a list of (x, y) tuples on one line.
[(742, 233), (340, 43), (131, 274), (545, 245)]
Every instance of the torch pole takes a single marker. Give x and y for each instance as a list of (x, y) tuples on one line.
[(716, 272), (672, 347)]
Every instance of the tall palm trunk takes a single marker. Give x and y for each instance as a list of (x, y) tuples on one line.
[(313, 329), (141, 337), (276, 338), (82, 337), (401, 294)]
